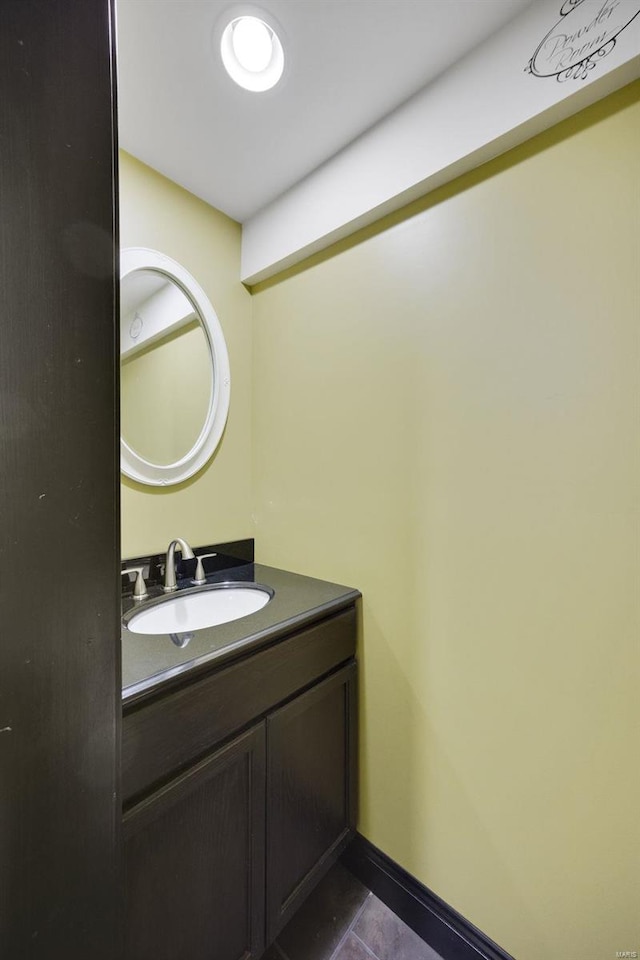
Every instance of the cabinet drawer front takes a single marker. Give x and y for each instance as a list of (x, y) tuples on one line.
[(161, 737), (194, 861), (311, 775)]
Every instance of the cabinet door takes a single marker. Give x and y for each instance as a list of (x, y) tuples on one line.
[(194, 861), (311, 783)]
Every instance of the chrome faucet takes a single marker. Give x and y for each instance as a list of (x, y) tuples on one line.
[(170, 564)]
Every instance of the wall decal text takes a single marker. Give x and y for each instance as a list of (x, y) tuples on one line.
[(585, 33)]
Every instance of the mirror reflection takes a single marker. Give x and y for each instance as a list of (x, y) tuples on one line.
[(166, 370), (175, 379)]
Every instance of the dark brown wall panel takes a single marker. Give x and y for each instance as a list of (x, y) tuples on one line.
[(59, 659)]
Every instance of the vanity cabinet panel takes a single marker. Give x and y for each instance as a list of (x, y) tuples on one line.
[(220, 851), (311, 783), (194, 860), (162, 736)]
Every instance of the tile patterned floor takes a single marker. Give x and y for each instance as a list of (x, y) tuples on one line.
[(342, 920)]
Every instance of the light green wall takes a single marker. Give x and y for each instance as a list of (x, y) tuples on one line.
[(446, 415), (214, 505)]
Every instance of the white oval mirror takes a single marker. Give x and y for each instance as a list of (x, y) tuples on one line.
[(174, 370)]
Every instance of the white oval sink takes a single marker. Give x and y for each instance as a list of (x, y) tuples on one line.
[(204, 607)]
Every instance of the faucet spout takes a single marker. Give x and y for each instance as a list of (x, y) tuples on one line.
[(170, 563)]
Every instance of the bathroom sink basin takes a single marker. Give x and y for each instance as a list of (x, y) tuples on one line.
[(201, 607)]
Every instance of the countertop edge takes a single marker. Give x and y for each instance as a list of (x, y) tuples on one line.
[(151, 687)]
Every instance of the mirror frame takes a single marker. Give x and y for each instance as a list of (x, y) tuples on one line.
[(134, 466)]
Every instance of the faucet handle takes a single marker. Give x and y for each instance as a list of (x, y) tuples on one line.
[(200, 577), (140, 588)]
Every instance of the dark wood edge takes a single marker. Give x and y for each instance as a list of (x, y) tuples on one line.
[(345, 676), (438, 924), (300, 701), (351, 747), (256, 913), (117, 492), (311, 879), (146, 811)]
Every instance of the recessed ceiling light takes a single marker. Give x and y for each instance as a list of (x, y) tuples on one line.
[(252, 53)]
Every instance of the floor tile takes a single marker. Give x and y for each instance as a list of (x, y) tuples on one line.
[(324, 918), (353, 949), (387, 936)]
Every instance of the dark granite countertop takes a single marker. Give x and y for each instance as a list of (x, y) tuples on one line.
[(150, 663)]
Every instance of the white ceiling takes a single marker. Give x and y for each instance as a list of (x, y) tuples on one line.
[(348, 64)]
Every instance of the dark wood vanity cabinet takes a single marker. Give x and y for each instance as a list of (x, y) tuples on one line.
[(219, 856), (310, 791), (194, 860)]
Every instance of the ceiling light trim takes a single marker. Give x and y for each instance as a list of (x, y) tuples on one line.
[(256, 81)]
